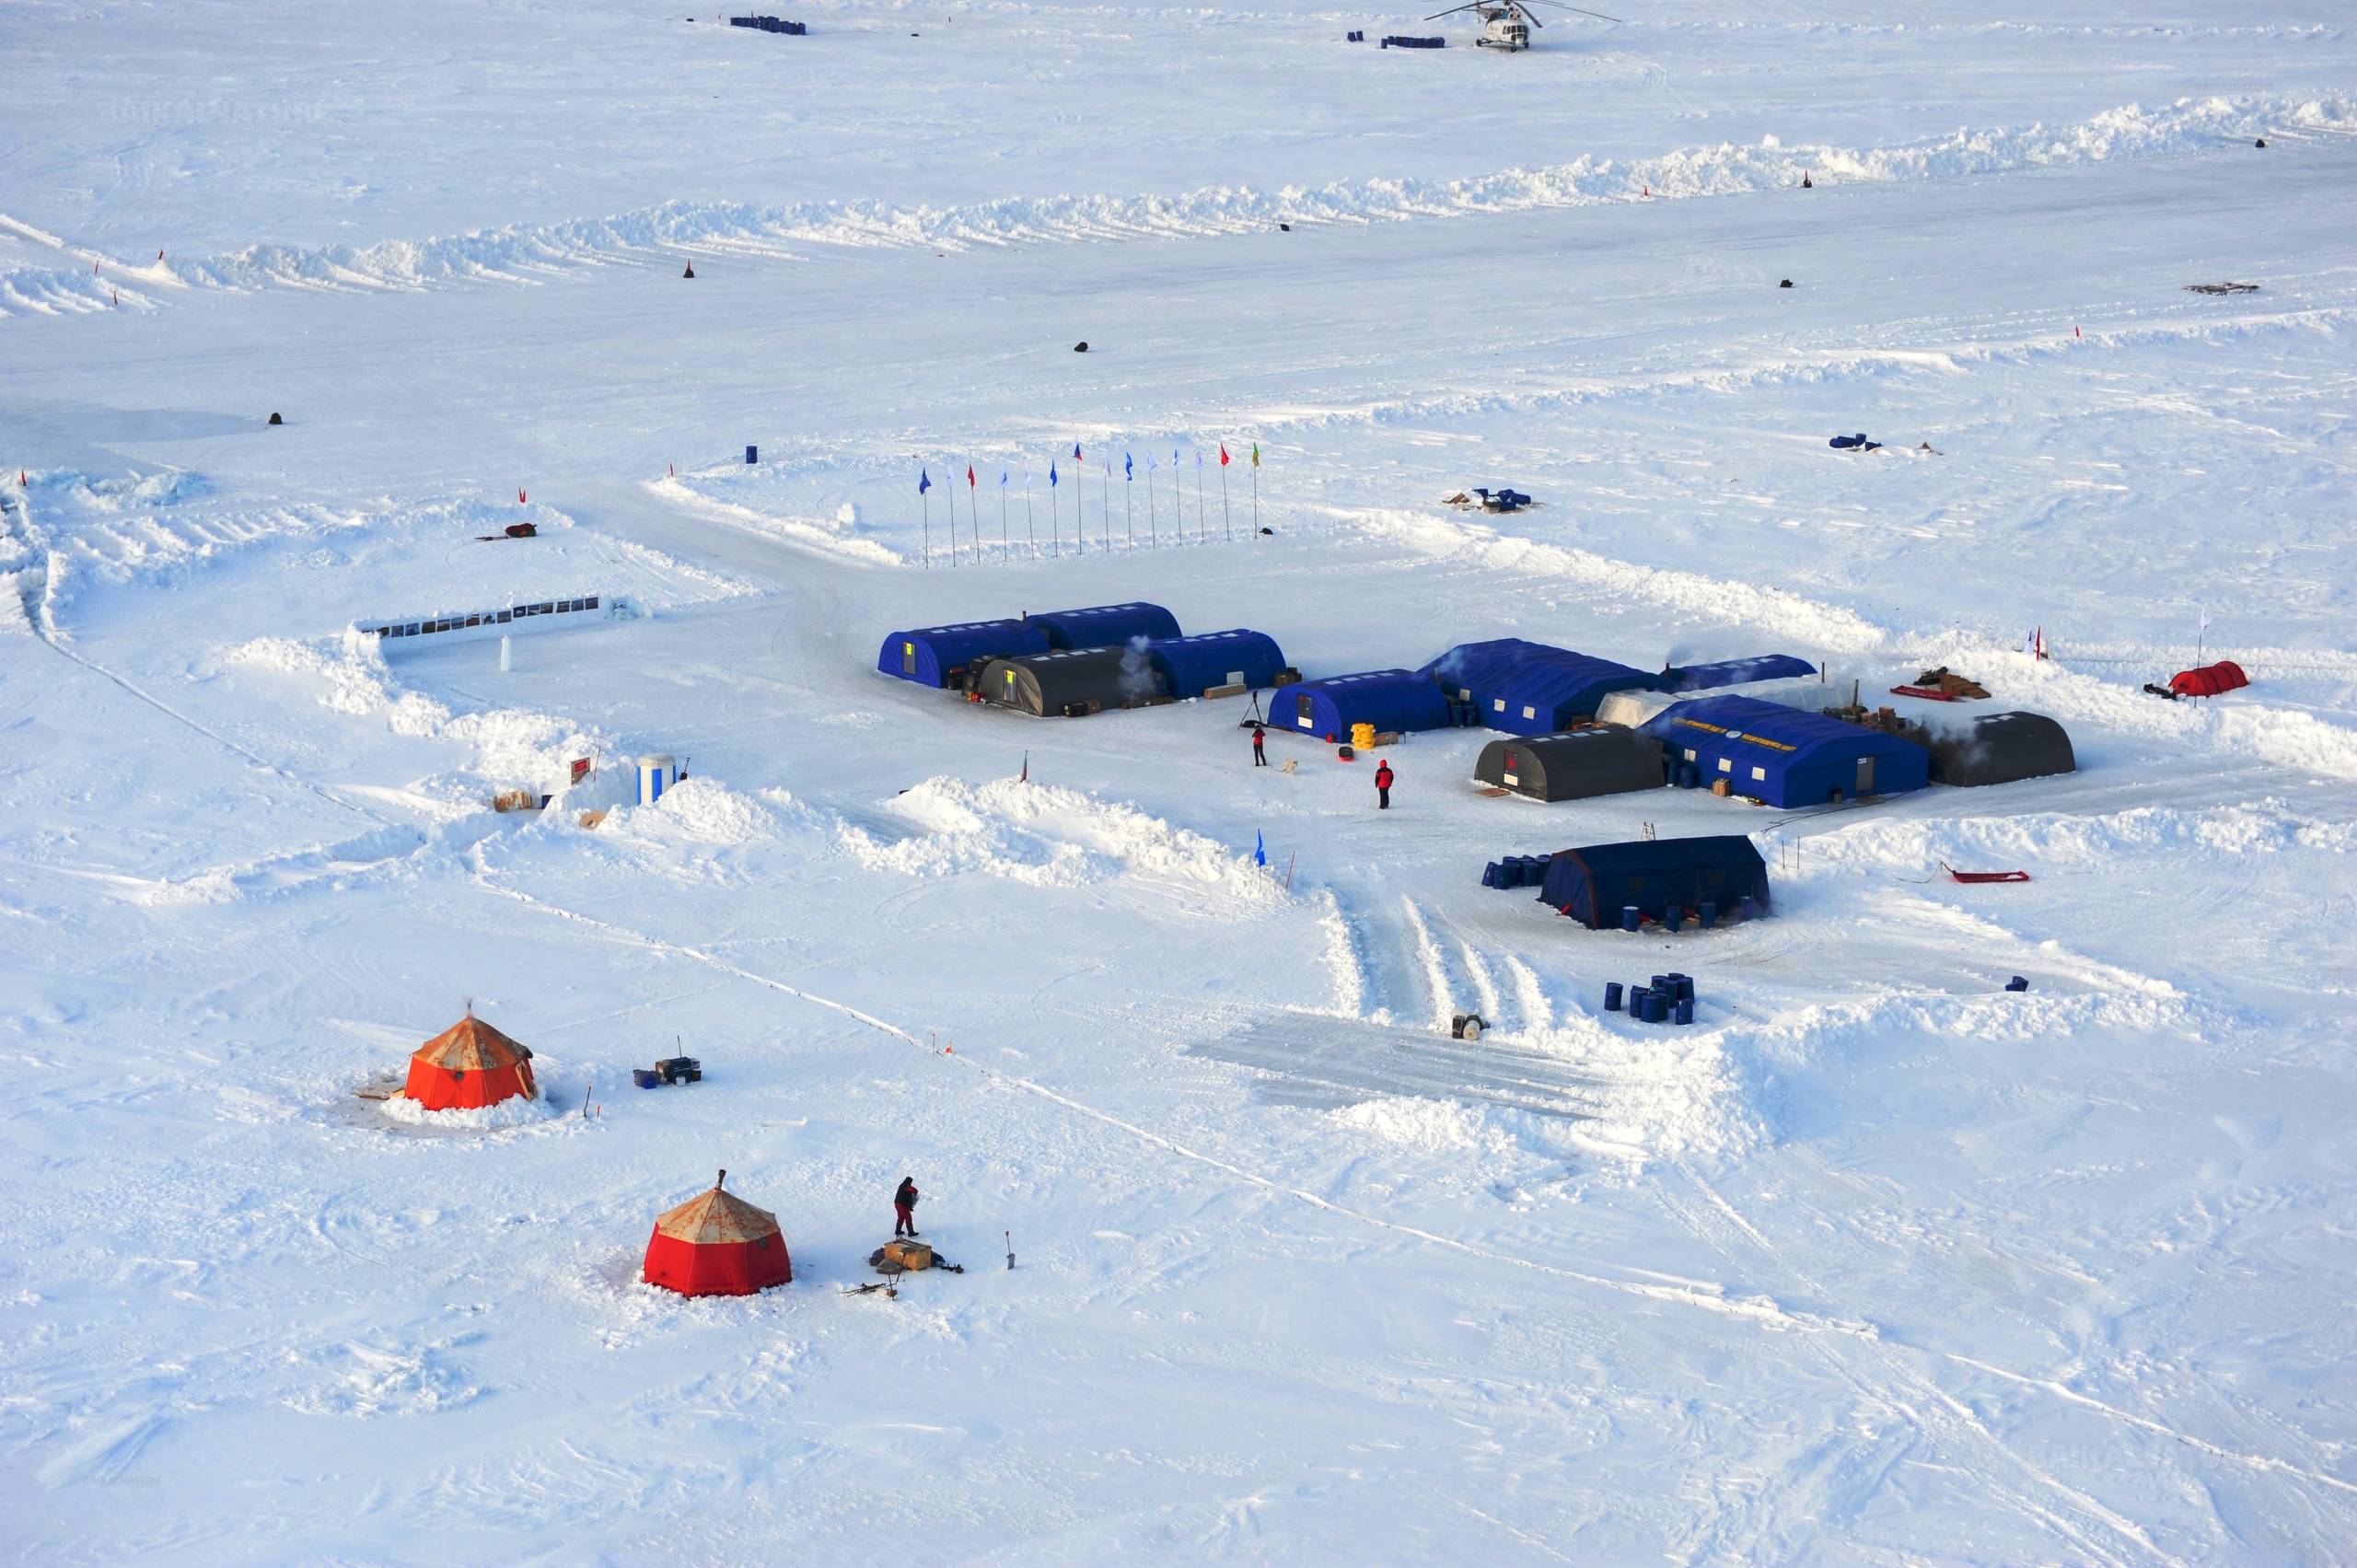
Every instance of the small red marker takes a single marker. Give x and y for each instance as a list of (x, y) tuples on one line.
[(520, 495)]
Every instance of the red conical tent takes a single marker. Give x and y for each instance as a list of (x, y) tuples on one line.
[(469, 1065), (717, 1245)]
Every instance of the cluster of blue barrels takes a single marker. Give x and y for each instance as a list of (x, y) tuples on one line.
[(1397, 42), (1354, 36), (1668, 1000), (1516, 871), (770, 23)]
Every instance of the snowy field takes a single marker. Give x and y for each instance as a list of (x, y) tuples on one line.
[(1877, 1262)]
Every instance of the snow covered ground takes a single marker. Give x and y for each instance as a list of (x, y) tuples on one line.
[(1879, 1261)]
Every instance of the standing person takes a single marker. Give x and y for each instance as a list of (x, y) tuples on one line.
[(1383, 784), (1260, 747), (904, 1207)]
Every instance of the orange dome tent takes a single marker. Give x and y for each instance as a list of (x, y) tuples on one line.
[(718, 1244), (469, 1065)]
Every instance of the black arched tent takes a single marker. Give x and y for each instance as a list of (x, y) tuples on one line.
[(1602, 759), (1999, 748), (1070, 683)]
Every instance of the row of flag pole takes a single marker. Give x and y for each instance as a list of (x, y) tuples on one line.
[(1058, 479)]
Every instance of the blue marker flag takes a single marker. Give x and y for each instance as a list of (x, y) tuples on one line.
[(1129, 468), (1051, 473), (1001, 479), (1259, 849), (924, 482)]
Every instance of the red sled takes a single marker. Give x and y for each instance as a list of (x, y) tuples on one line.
[(1933, 692), (1984, 876)]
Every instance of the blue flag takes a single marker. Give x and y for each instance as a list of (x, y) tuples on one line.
[(1001, 479), (924, 482), (1129, 468), (1259, 849), (1051, 473)]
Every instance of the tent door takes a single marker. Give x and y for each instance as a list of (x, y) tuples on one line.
[(1865, 775), (908, 659)]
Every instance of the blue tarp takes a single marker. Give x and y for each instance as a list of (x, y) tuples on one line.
[(1191, 666), (1594, 884), (1529, 688), (929, 655), (1105, 625), (1736, 672), (1784, 755), (1391, 700)]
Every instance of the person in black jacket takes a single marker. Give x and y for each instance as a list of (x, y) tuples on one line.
[(904, 1207)]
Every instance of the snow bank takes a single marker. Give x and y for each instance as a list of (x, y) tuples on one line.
[(518, 1112), (524, 252), (1050, 836)]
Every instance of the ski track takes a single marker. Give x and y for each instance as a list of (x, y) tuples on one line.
[(1762, 1310), (526, 253)]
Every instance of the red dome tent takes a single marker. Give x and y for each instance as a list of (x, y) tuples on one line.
[(2208, 680), (717, 1245), (469, 1065)]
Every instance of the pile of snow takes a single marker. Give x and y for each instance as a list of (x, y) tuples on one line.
[(515, 1113), (1050, 836)]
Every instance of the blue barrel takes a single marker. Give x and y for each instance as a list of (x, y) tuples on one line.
[(1534, 870), (1612, 996), (1681, 986), (1629, 917), (1689, 776), (1673, 917), (1490, 874), (2018, 983), (1656, 1007), (752, 453), (1685, 1010), (1708, 915), (1639, 998)]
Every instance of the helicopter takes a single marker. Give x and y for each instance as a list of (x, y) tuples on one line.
[(1506, 24)]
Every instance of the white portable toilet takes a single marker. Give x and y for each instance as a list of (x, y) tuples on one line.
[(657, 772)]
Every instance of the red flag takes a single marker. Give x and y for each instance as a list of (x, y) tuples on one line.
[(969, 476), (520, 495), (1222, 454), (580, 769)]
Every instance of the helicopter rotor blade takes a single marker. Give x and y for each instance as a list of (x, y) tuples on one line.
[(1561, 7), (1455, 9)]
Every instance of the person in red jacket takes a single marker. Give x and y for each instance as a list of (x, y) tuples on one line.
[(904, 1207), (1383, 784), (1260, 747)]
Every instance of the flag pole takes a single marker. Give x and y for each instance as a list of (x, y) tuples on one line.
[(1002, 508), (1031, 537), (926, 502), (1227, 529), (1202, 525), (1256, 493), (1152, 533)]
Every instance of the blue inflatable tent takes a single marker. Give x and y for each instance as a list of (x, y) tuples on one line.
[(1529, 688), (1388, 699), (1191, 665), (1786, 757), (935, 654), (1737, 671), (1106, 625), (1594, 884)]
